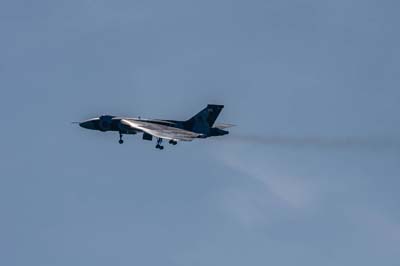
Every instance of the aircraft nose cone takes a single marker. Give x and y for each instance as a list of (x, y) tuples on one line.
[(86, 124)]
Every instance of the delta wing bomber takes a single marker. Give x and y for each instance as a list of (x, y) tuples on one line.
[(202, 125)]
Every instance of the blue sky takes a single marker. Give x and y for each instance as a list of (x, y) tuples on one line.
[(295, 69)]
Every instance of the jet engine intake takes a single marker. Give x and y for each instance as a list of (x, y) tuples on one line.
[(147, 137)]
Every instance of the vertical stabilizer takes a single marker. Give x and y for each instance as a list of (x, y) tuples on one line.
[(205, 119)]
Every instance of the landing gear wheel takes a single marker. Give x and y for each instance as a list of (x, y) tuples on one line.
[(158, 146), (120, 138)]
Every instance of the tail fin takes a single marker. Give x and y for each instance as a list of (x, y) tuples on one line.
[(205, 119)]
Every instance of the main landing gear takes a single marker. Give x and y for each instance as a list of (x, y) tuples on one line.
[(173, 142), (120, 138), (159, 146)]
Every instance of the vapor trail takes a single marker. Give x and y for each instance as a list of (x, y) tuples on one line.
[(353, 142)]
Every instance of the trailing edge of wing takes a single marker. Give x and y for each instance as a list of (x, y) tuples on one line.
[(161, 131), (223, 126)]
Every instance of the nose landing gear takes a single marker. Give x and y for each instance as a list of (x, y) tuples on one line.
[(121, 141)]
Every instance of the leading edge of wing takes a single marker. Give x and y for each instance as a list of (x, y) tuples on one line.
[(161, 131)]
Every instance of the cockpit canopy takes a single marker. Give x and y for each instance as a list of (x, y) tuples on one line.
[(105, 122)]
